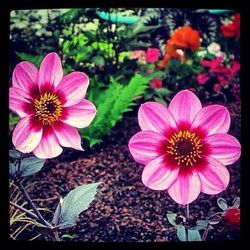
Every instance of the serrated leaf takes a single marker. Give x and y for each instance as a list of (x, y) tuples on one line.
[(14, 154), (171, 219), (194, 235), (236, 202), (181, 233), (222, 203), (75, 202), (30, 166)]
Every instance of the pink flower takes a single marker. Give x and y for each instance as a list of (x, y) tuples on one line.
[(50, 107), (222, 80), (235, 67), (216, 87), (185, 147), (138, 54), (202, 78), (156, 83), (152, 55)]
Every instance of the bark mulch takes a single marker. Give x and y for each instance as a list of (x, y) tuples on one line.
[(124, 210)]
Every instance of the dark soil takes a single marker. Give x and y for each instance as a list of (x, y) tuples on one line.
[(124, 210)]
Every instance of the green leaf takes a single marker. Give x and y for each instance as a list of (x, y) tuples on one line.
[(236, 202), (98, 60), (31, 58), (181, 233), (67, 236), (14, 154), (12, 169), (160, 100), (201, 224), (171, 219), (111, 104), (30, 166), (163, 91), (194, 235), (75, 202), (222, 203)]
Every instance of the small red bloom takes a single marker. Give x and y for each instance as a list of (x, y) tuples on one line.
[(156, 83), (232, 29), (231, 217)]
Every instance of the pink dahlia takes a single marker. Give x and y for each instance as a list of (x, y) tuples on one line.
[(50, 107), (185, 147)]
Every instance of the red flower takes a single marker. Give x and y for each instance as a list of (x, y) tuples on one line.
[(232, 29), (152, 55), (156, 83), (231, 217), (182, 38)]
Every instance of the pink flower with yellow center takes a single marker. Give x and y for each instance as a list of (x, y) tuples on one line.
[(185, 147), (50, 106)]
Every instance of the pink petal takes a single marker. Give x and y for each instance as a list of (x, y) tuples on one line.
[(186, 188), (156, 117), (214, 177), (19, 101), (68, 136), (213, 119), (157, 175), (25, 76), (27, 134), (184, 106), (49, 146), (80, 115), (224, 148), (145, 146), (50, 72), (73, 87)]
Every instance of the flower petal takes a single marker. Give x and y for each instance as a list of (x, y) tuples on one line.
[(157, 175), (186, 188), (184, 106), (19, 101), (27, 134), (156, 117), (214, 177), (213, 119), (73, 87), (49, 146), (224, 148), (67, 136), (25, 76), (50, 72), (79, 115), (145, 146)]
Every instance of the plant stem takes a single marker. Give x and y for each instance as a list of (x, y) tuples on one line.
[(204, 236), (187, 218), (26, 195), (23, 209), (187, 212)]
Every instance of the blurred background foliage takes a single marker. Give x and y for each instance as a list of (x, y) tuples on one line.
[(103, 43)]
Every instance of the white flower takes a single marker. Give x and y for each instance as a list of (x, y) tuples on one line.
[(214, 49)]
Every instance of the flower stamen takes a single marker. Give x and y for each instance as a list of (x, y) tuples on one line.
[(48, 108), (185, 147)]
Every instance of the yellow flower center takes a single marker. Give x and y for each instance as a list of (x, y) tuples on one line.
[(185, 147), (48, 108)]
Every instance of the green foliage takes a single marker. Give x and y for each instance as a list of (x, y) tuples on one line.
[(111, 104), (31, 58)]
